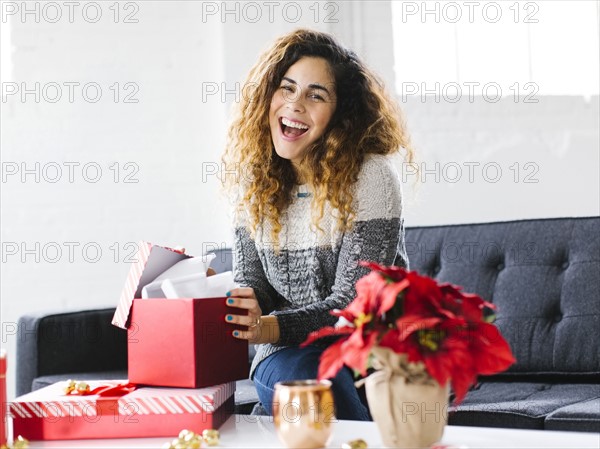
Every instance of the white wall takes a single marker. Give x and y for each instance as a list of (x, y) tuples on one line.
[(482, 161), (532, 153), (167, 137), (173, 137)]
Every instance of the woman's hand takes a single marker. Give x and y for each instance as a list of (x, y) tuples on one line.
[(261, 329)]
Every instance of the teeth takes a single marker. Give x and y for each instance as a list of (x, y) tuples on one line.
[(291, 124)]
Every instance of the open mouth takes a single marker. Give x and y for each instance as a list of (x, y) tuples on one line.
[(291, 128)]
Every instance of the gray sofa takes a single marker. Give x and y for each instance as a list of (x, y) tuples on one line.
[(544, 276)]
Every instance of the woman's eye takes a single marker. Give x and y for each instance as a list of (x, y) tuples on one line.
[(288, 88), (317, 97)]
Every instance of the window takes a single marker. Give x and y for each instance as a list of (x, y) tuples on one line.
[(513, 46)]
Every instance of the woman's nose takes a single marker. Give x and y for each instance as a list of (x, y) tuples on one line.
[(296, 106), (294, 101)]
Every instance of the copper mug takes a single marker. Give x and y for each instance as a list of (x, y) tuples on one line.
[(304, 413)]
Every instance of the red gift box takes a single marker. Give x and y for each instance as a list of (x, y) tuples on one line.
[(50, 414), (3, 434), (177, 342)]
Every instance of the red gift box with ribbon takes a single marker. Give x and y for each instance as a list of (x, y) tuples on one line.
[(117, 409), (176, 342)]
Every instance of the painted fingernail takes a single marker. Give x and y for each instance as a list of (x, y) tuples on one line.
[(229, 318), (236, 333), (230, 301), (228, 294)]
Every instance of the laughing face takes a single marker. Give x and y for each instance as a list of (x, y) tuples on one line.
[(301, 107)]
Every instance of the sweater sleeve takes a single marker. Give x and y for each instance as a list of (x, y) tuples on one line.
[(249, 272), (376, 236)]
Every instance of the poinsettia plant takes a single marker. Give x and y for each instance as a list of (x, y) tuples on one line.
[(435, 324)]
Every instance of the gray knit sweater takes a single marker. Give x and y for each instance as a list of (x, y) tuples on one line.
[(316, 272)]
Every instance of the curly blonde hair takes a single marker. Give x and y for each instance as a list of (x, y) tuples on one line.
[(366, 120)]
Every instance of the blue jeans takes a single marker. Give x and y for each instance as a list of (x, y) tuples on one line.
[(295, 363)]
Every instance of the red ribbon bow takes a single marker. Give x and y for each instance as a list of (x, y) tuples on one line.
[(114, 390), (108, 390)]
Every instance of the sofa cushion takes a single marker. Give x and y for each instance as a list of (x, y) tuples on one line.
[(75, 331), (520, 405), (544, 276), (582, 416), (246, 397)]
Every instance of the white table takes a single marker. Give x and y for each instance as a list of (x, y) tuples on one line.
[(245, 431)]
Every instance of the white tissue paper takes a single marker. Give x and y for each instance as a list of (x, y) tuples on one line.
[(198, 287), (187, 279)]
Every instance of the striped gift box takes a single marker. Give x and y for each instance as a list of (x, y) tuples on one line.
[(49, 414)]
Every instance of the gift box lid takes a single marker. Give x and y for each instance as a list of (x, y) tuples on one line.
[(51, 401), (150, 261)]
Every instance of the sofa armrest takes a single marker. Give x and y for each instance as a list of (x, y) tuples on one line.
[(68, 342)]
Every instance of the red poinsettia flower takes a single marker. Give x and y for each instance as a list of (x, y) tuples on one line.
[(436, 324), (368, 291), (352, 350)]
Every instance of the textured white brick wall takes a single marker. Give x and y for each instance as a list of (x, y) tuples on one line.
[(484, 161), (167, 137), (174, 135)]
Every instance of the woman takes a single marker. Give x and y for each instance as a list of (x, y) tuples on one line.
[(317, 193)]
